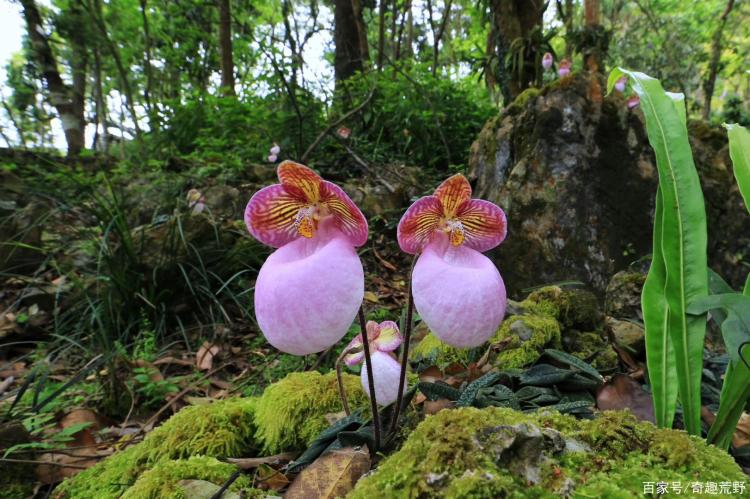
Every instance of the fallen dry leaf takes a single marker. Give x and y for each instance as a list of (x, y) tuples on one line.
[(623, 392), (371, 297), (741, 436), (435, 406), (204, 359), (331, 475), (269, 478)]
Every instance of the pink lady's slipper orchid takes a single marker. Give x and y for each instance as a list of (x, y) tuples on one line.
[(344, 132), (196, 201), (457, 290), (275, 149), (384, 338), (272, 158), (547, 61), (621, 83), (564, 68), (309, 290), (633, 101)]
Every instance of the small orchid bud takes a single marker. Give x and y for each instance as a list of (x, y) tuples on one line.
[(344, 132), (196, 201), (621, 83), (272, 158), (275, 150), (564, 68), (633, 101), (547, 61), (386, 373)]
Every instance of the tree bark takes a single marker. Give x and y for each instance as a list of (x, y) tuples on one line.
[(511, 20), (147, 92), (225, 46), (381, 32), (437, 32), (61, 96), (592, 14), (348, 58), (713, 66)]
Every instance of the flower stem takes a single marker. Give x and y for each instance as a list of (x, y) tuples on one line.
[(342, 391), (405, 351), (370, 382)]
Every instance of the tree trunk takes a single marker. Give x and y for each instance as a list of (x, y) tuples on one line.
[(713, 66), (512, 20), (348, 58), (592, 14), (225, 46), (61, 96), (147, 64), (381, 32)]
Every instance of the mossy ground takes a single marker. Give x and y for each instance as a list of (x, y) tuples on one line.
[(518, 351), (435, 352), (449, 455), (288, 415)]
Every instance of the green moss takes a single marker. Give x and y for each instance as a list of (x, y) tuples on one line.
[(454, 454), (220, 429), (574, 308), (291, 412), (435, 352), (523, 338), (520, 102), (591, 346), (162, 480)]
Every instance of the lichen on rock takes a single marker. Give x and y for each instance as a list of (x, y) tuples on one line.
[(498, 452), (291, 412)]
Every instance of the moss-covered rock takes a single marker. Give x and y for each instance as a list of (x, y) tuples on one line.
[(522, 339), (162, 481), (497, 452), (438, 353), (222, 429), (623, 296), (291, 412)]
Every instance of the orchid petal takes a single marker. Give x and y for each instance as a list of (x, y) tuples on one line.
[(483, 223), (299, 181), (452, 193), (352, 359), (419, 223), (458, 293), (389, 337), (270, 216), (386, 373), (349, 219), (308, 293)]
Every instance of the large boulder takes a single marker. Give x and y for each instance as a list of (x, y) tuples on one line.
[(576, 176)]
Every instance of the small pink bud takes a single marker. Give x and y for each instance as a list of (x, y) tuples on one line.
[(344, 132), (547, 61), (620, 84), (633, 101), (275, 150), (564, 68), (272, 158)]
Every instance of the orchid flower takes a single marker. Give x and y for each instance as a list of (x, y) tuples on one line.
[(272, 158), (275, 149), (196, 201), (547, 60), (309, 290), (633, 101), (621, 83), (564, 68), (457, 290), (383, 339)]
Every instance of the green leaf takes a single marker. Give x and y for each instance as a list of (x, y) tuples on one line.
[(735, 393), (735, 328), (544, 375), (469, 394), (739, 151), (683, 241), (573, 361), (435, 391)]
